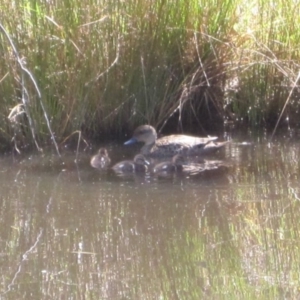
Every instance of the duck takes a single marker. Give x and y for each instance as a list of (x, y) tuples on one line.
[(170, 145), (139, 164), (101, 160), (170, 167)]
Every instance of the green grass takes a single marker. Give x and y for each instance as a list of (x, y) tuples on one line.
[(105, 66)]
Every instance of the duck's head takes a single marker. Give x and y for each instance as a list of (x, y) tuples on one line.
[(144, 133), (102, 152), (141, 160)]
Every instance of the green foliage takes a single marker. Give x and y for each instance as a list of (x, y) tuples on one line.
[(105, 65)]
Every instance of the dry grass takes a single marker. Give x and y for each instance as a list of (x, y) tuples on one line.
[(105, 66)]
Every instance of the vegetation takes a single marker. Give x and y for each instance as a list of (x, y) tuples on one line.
[(105, 66)]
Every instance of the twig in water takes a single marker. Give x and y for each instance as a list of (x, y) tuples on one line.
[(24, 257), (78, 142)]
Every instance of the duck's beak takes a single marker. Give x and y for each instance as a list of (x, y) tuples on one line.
[(131, 141)]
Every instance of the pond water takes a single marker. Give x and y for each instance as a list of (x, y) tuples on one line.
[(68, 231)]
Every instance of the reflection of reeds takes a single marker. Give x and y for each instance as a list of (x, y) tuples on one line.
[(106, 65), (193, 239)]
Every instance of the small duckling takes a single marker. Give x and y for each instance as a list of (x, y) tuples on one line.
[(169, 167), (101, 160), (139, 164)]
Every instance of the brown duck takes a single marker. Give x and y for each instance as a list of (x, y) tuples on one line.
[(172, 144)]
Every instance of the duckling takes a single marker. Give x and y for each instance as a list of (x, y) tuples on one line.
[(173, 144), (169, 167), (101, 160), (139, 164)]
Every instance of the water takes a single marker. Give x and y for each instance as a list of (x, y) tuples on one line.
[(68, 231)]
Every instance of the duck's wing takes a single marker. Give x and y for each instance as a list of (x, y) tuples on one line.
[(100, 162), (215, 145), (178, 144), (185, 140), (123, 166)]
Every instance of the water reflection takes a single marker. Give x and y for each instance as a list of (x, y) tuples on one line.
[(70, 231)]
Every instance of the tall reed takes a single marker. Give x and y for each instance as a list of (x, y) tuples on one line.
[(103, 66)]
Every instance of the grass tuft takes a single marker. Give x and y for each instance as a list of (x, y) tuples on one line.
[(106, 66)]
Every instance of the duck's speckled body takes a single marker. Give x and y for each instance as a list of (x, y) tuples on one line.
[(172, 144), (101, 160), (139, 164), (169, 167)]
